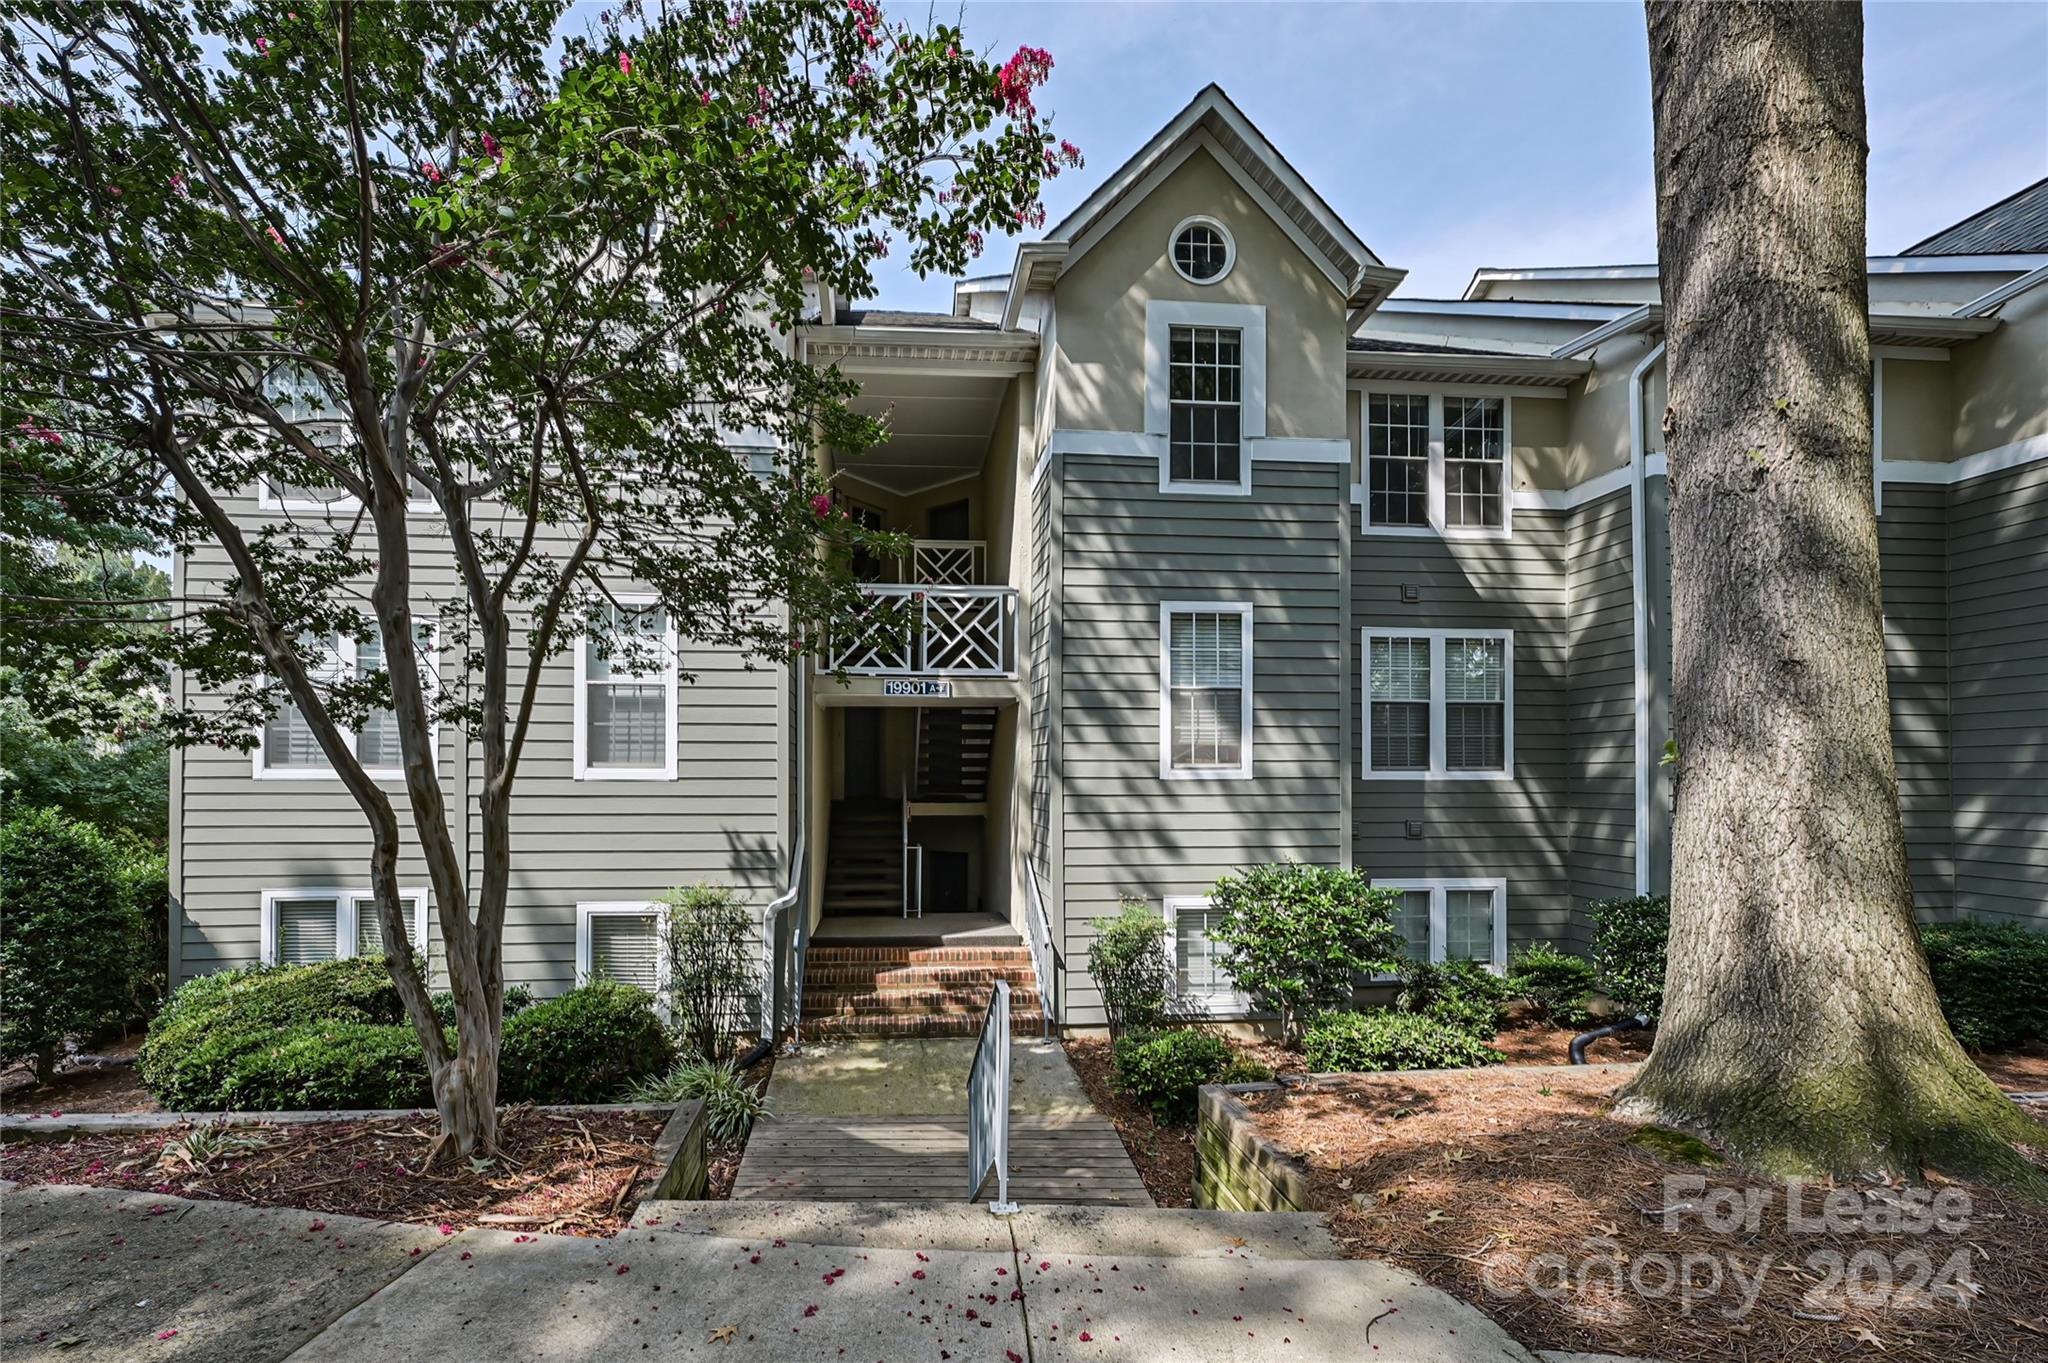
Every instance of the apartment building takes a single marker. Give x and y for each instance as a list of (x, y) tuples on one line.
[(1225, 554)]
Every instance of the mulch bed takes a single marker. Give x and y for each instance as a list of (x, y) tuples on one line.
[(1515, 1190), (113, 1087), (565, 1173), (1164, 1155)]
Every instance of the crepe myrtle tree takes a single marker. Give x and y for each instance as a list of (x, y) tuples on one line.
[(506, 305)]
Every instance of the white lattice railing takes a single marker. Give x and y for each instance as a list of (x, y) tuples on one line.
[(931, 632), (950, 563)]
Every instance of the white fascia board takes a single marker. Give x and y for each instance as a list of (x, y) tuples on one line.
[(1461, 307), (1636, 319), (2004, 293)]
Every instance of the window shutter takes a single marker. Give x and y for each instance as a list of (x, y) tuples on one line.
[(305, 931), (623, 949)]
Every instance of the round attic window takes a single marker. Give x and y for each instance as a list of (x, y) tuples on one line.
[(1202, 251)]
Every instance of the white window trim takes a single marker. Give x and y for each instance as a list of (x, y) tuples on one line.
[(346, 656), (1249, 319), (1167, 771), (1229, 249), (1436, 771), (1439, 914), (1436, 393), (581, 695), (270, 498), (347, 909), (621, 908), (1215, 1003)]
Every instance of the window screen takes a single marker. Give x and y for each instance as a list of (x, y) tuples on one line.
[(1468, 925), (628, 710), (1399, 679), (1208, 689), (622, 948), (1475, 705), (306, 930), (1411, 919), (1198, 962)]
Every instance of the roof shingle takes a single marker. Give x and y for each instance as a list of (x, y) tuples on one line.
[(2015, 225)]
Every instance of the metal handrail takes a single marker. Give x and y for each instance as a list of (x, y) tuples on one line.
[(1044, 955), (771, 990), (988, 1103)]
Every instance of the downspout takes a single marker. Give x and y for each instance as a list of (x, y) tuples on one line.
[(1638, 500)]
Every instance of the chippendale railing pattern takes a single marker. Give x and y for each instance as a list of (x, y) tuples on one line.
[(951, 563), (930, 631)]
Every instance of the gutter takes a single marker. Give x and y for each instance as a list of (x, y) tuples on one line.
[(1638, 441), (2003, 294)]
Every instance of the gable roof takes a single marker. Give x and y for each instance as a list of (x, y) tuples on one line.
[(2016, 224), (1211, 119)]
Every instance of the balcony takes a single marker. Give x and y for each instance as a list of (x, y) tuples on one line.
[(926, 630)]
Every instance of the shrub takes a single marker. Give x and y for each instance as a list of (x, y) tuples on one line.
[(329, 1065), (1386, 1040), (69, 936), (714, 977), (1165, 1071), (731, 1101), (586, 1046), (1242, 1069), (518, 998), (188, 1059), (1131, 968), (1629, 937), (1992, 979), (1461, 994), (1556, 982), (1296, 937)]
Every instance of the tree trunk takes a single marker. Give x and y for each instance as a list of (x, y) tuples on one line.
[(1801, 1030)]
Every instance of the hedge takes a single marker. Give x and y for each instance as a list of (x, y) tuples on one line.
[(1383, 1040), (590, 1045)]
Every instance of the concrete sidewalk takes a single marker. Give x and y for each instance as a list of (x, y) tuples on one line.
[(732, 1282)]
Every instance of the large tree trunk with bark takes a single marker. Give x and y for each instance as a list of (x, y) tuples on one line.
[(1801, 1030)]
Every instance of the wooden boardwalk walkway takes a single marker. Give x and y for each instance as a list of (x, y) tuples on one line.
[(1071, 1160)]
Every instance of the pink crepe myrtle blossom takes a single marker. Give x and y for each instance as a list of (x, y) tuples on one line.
[(275, 235), (431, 171), (178, 185), (625, 63), (263, 45), (492, 149), (1023, 73)]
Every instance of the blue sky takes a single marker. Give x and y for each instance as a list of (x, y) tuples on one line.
[(1452, 136)]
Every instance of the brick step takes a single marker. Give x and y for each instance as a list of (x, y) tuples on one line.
[(913, 976), (1013, 957), (825, 1029), (821, 1002)]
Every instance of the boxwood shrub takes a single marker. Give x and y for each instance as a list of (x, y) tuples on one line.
[(1387, 1040), (1555, 982), (329, 1065), (1629, 937), (1166, 1070), (1461, 994), (590, 1045), (1992, 979)]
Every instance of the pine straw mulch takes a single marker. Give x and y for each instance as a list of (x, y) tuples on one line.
[(1165, 1155), (1467, 1178), (567, 1173), (107, 1083)]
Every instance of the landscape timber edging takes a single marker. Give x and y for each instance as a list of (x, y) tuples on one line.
[(679, 1152), (66, 1125), (1237, 1169)]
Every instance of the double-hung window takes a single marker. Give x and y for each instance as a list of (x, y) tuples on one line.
[(1436, 463), (1205, 684), (626, 696), (1438, 703), (286, 746), (1452, 920), (1204, 369), (1198, 974), (621, 943), (1397, 460), (307, 926)]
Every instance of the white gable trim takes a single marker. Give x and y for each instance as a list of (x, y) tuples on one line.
[(1201, 141)]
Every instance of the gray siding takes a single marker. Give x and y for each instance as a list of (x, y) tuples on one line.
[(573, 841), (1912, 545), (1043, 675), (1512, 829), (1998, 686), (1600, 702), (1124, 548)]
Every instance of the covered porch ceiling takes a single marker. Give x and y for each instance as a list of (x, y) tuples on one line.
[(939, 428)]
